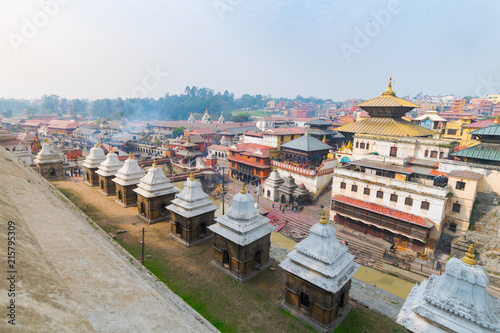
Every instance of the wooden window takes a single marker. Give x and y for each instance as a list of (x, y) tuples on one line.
[(342, 185), (380, 194), (367, 145), (357, 144), (425, 205), (354, 188), (460, 186), (362, 145), (366, 191), (456, 208), (394, 197), (426, 153), (409, 201), (434, 154), (394, 151)]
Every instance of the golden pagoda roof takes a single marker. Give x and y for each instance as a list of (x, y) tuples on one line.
[(386, 126), (388, 98)]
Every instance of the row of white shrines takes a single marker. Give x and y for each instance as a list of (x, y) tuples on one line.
[(319, 269)]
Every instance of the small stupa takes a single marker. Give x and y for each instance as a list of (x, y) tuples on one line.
[(221, 119), (23, 154), (271, 185), (191, 118), (91, 165), (154, 193), (107, 171), (242, 239), (49, 162), (206, 118), (318, 278), (191, 213), (126, 180), (456, 301)]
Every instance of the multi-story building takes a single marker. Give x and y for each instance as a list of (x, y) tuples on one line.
[(494, 98), (458, 104), (390, 189), (249, 162)]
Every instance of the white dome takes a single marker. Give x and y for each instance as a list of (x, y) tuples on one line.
[(243, 207)]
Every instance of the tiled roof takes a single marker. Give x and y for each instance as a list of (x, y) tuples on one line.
[(385, 126), (387, 100), (218, 147), (493, 129), (63, 124), (482, 151), (479, 124), (465, 174), (306, 143), (247, 162), (251, 149), (318, 122), (285, 130), (254, 133), (397, 214), (204, 131)]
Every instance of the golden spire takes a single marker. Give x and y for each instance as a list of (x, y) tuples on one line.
[(243, 189), (100, 143), (496, 120), (154, 163), (130, 155), (275, 169), (324, 138), (469, 256), (110, 149), (95, 145), (307, 130), (389, 89), (191, 176), (349, 145), (323, 219), (26, 131), (46, 140)]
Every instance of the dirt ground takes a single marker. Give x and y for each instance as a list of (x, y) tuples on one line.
[(228, 305)]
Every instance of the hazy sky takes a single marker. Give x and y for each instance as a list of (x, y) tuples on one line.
[(328, 49)]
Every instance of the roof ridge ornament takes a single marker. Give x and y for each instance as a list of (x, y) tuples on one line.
[(389, 91), (496, 120), (46, 140), (130, 155), (469, 257), (191, 176), (154, 163), (323, 219), (243, 189)]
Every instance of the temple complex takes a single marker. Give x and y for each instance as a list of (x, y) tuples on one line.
[(154, 194), (126, 180), (318, 278), (271, 185), (456, 301), (91, 164), (191, 212), (107, 171), (242, 239), (49, 163)]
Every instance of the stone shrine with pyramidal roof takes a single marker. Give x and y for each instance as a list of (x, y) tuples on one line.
[(107, 171), (191, 213), (242, 239), (456, 301), (154, 193), (49, 163), (318, 278), (126, 180), (91, 165)]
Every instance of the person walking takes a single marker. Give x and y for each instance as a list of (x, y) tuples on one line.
[(272, 205), (283, 209)]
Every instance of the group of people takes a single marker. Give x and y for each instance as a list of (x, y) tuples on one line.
[(284, 207), (75, 172)]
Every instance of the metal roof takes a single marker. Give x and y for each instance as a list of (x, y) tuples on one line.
[(465, 174), (306, 143), (482, 151), (493, 129), (385, 126), (318, 122)]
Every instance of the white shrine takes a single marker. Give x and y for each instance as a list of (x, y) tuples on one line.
[(126, 180), (49, 162), (456, 301), (242, 239), (154, 193), (319, 272), (91, 164), (107, 171), (271, 185), (191, 213), (23, 154)]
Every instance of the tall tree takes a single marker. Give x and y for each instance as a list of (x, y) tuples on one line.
[(50, 102)]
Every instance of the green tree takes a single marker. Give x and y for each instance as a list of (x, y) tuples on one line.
[(7, 113), (30, 112), (50, 102), (178, 131), (241, 118)]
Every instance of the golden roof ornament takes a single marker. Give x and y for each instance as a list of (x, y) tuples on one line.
[(389, 91), (323, 219), (95, 144), (243, 189), (100, 143), (154, 163), (130, 155), (324, 138), (110, 149), (191, 176), (349, 145), (496, 120), (46, 140), (307, 130), (275, 169), (469, 257)]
